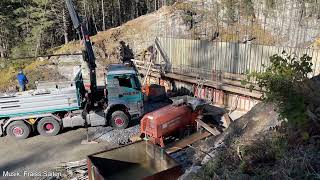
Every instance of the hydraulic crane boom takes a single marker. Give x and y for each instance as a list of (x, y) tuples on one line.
[(88, 53)]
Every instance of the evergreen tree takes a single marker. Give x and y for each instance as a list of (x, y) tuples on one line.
[(31, 27)]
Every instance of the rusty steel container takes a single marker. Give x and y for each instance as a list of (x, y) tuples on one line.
[(140, 160), (171, 119)]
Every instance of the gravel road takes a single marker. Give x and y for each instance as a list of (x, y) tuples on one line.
[(38, 153)]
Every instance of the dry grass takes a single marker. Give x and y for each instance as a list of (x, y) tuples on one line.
[(316, 43), (71, 47), (253, 151), (7, 78), (34, 70), (268, 158), (261, 36)]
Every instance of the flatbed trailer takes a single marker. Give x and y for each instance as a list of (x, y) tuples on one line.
[(39, 102), (44, 108)]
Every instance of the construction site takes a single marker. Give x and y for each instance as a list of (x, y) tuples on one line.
[(195, 89)]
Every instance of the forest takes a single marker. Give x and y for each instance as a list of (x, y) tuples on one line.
[(32, 27)]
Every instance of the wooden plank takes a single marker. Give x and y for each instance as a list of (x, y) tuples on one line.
[(218, 85), (152, 74), (227, 120), (162, 52), (177, 146), (145, 68), (224, 79), (214, 132)]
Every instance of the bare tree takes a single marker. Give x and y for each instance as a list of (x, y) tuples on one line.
[(65, 26), (103, 16)]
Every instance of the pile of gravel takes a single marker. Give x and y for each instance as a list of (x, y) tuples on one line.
[(116, 136)]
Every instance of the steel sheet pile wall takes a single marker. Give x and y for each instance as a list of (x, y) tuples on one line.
[(203, 57), (218, 61)]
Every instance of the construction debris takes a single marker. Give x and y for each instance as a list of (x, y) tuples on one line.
[(213, 131), (174, 147), (76, 170)]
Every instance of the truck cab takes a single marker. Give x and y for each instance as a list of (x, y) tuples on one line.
[(124, 97)]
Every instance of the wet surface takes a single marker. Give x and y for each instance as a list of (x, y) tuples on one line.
[(133, 161)]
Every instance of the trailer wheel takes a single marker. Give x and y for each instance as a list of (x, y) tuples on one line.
[(119, 120), (18, 130), (48, 126)]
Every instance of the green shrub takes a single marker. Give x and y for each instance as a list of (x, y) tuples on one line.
[(282, 84)]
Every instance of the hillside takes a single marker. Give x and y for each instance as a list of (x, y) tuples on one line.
[(138, 34), (34, 69), (285, 23)]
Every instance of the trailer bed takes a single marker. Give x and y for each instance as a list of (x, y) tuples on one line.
[(40, 101)]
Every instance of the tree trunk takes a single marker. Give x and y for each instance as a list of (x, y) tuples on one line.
[(84, 8), (65, 26), (136, 10), (112, 14), (94, 20), (133, 10), (1, 49), (148, 6), (119, 12), (2, 54), (103, 16)]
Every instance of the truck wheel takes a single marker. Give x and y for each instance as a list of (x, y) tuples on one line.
[(119, 120), (18, 130), (48, 126)]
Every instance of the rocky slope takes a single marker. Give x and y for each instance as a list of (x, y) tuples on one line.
[(255, 147)]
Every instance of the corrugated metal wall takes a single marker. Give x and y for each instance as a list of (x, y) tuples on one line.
[(204, 57)]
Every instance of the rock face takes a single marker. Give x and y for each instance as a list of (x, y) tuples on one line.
[(257, 121), (295, 22), (292, 23), (68, 66)]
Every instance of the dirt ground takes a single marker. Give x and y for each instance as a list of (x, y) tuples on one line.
[(39, 154)]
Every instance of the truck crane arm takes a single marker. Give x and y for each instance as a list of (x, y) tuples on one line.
[(89, 57)]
